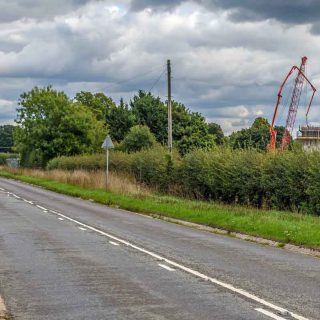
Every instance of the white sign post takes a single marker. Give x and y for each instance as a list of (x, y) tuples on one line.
[(107, 144)]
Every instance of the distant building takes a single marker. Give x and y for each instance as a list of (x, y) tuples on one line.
[(309, 136)]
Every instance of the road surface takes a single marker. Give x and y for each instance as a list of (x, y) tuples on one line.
[(67, 258)]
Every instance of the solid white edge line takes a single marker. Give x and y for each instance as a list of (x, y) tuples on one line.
[(165, 267), (188, 270), (269, 314), (114, 243)]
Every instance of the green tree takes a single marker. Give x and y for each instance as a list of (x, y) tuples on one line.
[(99, 104), (152, 112), (138, 138), (216, 131), (120, 119), (50, 125), (6, 137), (190, 131)]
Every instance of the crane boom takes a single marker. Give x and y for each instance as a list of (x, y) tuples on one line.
[(294, 103)]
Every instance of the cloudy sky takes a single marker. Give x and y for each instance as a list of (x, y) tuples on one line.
[(228, 56)]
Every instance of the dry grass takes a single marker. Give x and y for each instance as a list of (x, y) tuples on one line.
[(118, 182)]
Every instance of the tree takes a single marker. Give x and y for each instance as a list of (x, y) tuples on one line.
[(216, 131), (50, 125), (152, 112), (6, 137), (99, 104), (120, 120), (190, 130), (138, 138), (255, 137)]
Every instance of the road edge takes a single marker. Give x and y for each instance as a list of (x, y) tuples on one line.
[(241, 236), (4, 315)]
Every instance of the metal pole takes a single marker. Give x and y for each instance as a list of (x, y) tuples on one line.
[(169, 107), (107, 170)]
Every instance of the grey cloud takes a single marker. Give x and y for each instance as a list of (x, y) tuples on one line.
[(38, 9), (285, 11)]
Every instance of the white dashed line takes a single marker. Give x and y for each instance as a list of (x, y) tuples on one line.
[(269, 314), (165, 267), (61, 219), (114, 243), (30, 202), (188, 270), (42, 208), (230, 287)]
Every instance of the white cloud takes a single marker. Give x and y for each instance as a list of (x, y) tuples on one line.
[(228, 71)]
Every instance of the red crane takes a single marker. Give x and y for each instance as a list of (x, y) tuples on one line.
[(293, 108)]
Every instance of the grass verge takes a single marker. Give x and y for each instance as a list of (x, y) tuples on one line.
[(285, 227)]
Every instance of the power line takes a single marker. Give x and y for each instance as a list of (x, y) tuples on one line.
[(157, 80), (137, 76)]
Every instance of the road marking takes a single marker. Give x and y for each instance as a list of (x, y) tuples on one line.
[(30, 202), (188, 270), (165, 267), (269, 314), (2, 189), (42, 208), (16, 196), (61, 219), (114, 243), (182, 267), (83, 229)]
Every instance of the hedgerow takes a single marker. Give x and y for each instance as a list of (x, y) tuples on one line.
[(282, 180)]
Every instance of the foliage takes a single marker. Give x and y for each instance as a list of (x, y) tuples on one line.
[(151, 111), (120, 120), (6, 137), (216, 131), (189, 129), (255, 137), (49, 125), (138, 138), (99, 104)]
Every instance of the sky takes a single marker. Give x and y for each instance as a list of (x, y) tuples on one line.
[(228, 56)]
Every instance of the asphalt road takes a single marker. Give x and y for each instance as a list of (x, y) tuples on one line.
[(66, 258)]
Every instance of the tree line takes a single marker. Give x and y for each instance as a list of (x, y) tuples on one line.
[(51, 124)]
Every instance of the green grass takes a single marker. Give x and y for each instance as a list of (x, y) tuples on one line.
[(285, 227)]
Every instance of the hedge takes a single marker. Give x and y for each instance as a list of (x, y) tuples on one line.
[(283, 180)]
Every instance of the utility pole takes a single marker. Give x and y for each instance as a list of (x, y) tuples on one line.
[(169, 107)]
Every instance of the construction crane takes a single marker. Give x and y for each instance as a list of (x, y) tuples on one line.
[(293, 108)]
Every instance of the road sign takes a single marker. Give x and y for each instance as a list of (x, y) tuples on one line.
[(107, 143)]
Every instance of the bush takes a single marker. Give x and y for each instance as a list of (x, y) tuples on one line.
[(138, 138), (285, 180)]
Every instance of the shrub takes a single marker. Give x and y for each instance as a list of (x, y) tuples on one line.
[(138, 138)]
